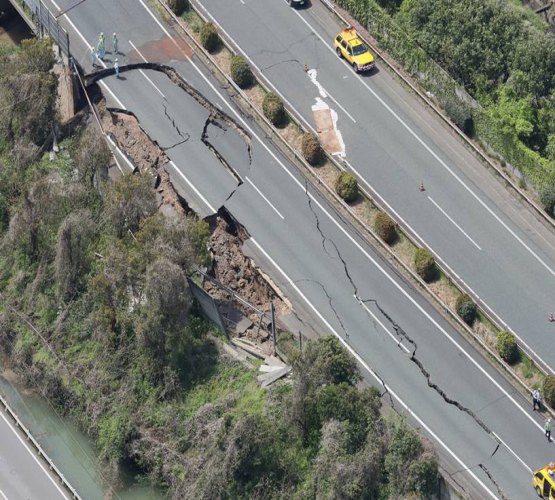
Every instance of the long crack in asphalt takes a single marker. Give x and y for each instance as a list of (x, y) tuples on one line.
[(330, 302), (402, 334), (217, 117), (355, 288), (499, 490)]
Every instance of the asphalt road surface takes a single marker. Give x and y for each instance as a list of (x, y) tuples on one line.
[(22, 474), (492, 241), (337, 282)]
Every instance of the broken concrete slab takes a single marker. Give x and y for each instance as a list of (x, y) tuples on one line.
[(269, 368), (269, 378), (273, 361)]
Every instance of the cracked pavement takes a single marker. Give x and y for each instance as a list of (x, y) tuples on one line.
[(298, 244)]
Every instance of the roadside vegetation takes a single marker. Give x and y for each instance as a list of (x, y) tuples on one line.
[(500, 53), (381, 23), (97, 316)]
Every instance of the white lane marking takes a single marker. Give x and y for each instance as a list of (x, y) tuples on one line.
[(109, 90), (31, 452), (158, 22), (144, 74), (370, 370), (454, 223), (399, 344), (529, 469), (3, 495), (441, 162), (265, 199), (375, 318), (312, 74), (369, 257), (364, 252), (190, 184), (451, 270)]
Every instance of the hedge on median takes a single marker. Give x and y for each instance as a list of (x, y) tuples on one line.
[(209, 37), (466, 308), (273, 109), (548, 388), (178, 6), (425, 264), (311, 149), (385, 227), (346, 186), (507, 347), (241, 72)]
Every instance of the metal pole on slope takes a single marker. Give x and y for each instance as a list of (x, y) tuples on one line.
[(273, 325)]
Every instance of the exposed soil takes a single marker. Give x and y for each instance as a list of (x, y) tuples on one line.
[(230, 266)]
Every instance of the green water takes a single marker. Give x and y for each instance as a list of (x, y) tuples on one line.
[(70, 449)]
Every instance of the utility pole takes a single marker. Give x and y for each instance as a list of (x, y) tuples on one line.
[(273, 325)]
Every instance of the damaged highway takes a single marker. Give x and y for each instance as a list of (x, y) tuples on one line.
[(219, 157)]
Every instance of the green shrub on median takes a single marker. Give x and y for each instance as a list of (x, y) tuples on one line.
[(209, 37), (178, 6), (346, 186), (385, 227), (424, 264), (273, 109), (241, 72), (506, 347), (311, 149), (466, 308)]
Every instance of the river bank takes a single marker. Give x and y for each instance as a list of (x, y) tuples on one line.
[(69, 448)]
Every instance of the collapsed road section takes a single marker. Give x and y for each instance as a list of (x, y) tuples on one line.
[(286, 242)]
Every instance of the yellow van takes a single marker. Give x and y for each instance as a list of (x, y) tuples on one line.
[(544, 482)]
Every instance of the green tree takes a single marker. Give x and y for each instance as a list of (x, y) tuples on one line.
[(129, 201), (385, 227), (466, 308), (471, 39), (27, 93), (72, 252), (273, 109), (92, 157)]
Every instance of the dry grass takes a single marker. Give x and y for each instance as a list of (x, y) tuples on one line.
[(404, 250), (256, 95), (222, 56), (445, 291)]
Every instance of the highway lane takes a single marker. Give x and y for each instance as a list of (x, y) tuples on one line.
[(22, 474), (482, 233), (307, 248)]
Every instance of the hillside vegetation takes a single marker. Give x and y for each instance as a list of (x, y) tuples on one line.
[(96, 314)]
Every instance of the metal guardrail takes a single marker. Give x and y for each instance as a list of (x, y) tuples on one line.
[(46, 23), (545, 368), (42, 454), (366, 229)]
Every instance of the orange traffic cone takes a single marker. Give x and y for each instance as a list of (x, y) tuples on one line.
[(550, 317), (422, 188)]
